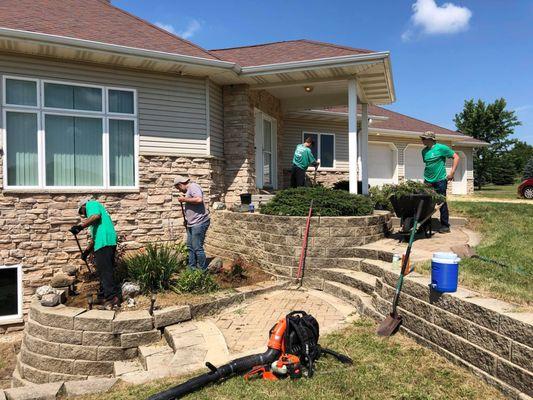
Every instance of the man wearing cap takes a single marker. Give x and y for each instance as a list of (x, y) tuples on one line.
[(103, 243), (197, 218), (302, 159), (434, 155)]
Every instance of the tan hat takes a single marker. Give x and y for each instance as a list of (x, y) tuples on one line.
[(428, 135), (180, 179), (82, 203)]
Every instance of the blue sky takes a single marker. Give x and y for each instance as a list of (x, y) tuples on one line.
[(441, 55)]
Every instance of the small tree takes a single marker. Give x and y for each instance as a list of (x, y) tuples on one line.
[(520, 154), (528, 171), (502, 170), (491, 123)]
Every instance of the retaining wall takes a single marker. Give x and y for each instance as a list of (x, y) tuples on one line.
[(274, 242)]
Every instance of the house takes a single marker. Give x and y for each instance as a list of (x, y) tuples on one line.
[(96, 101)]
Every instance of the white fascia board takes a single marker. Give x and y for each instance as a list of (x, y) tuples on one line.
[(342, 114), (454, 138), (318, 63), (114, 48)]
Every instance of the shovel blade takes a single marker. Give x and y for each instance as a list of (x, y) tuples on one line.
[(390, 325)]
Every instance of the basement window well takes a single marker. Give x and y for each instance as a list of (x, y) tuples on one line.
[(10, 294)]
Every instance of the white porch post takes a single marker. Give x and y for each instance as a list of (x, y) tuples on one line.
[(364, 147), (352, 134)]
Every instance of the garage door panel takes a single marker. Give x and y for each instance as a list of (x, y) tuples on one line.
[(414, 165), (381, 163)]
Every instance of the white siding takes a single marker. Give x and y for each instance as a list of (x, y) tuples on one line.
[(172, 109), (292, 136), (216, 120)]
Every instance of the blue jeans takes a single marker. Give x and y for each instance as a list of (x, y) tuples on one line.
[(195, 245), (440, 187)]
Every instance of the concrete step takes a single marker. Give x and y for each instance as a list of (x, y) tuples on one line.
[(375, 267), (357, 279), (152, 357)]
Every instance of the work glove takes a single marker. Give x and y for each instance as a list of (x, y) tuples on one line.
[(76, 229), (85, 254)]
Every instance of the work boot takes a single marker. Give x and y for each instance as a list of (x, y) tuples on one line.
[(444, 229), (111, 304)]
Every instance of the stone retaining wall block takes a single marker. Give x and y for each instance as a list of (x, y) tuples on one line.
[(95, 320), (132, 321)]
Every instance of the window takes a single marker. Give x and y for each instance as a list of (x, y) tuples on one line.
[(323, 148), (81, 136), (10, 293)]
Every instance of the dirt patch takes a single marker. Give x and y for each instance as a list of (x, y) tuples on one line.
[(9, 347), (227, 280)]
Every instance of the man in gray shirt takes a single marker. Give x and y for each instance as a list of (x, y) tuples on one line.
[(197, 218)]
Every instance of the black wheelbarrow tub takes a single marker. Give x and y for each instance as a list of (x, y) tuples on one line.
[(405, 206)]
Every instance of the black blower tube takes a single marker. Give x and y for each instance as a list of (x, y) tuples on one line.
[(238, 366)]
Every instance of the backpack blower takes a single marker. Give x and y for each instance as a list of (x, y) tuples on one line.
[(293, 343)]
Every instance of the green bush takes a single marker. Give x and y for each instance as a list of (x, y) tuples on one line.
[(327, 202), (528, 170), (342, 185), (152, 267), (195, 281), (381, 195)]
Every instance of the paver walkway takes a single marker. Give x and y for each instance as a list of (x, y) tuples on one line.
[(423, 248), (246, 328)]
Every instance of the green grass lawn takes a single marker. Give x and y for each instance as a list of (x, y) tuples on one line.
[(395, 368), (507, 235), (498, 192)]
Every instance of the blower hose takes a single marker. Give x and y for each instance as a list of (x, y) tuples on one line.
[(237, 366)]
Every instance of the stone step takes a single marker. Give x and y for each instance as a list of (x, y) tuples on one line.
[(353, 263), (121, 368), (356, 297), (152, 357), (356, 279), (376, 267)]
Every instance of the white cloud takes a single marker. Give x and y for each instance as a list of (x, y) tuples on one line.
[(523, 108), (432, 19), (193, 27)]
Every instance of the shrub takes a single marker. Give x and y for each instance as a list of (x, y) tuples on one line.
[(152, 267), (381, 195), (194, 281), (342, 185), (528, 170), (327, 202)]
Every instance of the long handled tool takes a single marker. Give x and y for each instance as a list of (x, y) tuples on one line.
[(466, 251), (390, 325), (81, 252), (183, 214), (303, 254)]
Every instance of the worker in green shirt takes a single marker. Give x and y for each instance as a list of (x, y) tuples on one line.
[(302, 159), (103, 243), (434, 155)]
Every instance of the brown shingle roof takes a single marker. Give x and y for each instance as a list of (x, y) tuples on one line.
[(95, 20), (280, 52), (401, 122)]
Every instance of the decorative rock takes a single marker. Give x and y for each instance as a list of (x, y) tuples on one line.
[(51, 300), (171, 315), (82, 388), (130, 290), (216, 265), (48, 391), (42, 290), (60, 280), (217, 205), (70, 270)]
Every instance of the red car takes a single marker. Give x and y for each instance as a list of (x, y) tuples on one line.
[(525, 189)]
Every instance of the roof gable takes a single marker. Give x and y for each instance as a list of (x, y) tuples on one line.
[(287, 51), (94, 20)]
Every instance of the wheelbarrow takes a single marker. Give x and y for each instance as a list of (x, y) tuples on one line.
[(405, 207)]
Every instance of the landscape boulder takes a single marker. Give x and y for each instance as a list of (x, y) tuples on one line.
[(51, 300), (216, 265), (70, 270), (130, 290), (43, 290), (61, 279)]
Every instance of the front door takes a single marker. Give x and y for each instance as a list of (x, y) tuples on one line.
[(265, 151)]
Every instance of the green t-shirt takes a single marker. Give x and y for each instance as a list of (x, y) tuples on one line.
[(303, 157), (102, 232), (435, 160)]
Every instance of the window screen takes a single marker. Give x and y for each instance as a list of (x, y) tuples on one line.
[(326, 150)]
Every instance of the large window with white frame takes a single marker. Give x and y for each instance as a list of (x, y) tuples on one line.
[(323, 148), (67, 135)]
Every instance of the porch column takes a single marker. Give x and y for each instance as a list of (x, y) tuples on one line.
[(352, 134), (364, 147)]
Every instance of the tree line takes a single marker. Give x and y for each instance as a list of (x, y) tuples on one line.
[(505, 159)]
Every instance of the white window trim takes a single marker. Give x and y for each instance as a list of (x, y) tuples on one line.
[(320, 167), (41, 111), (14, 318)]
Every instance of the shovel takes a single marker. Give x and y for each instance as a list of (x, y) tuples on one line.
[(390, 325), (81, 252), (466, 251)]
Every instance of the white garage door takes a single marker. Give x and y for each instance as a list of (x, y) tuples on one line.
[(414, 165), (381, 163)]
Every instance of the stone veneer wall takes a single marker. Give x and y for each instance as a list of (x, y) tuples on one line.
[(239, 137), (492, 338), (34, 226), (274, 242)]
